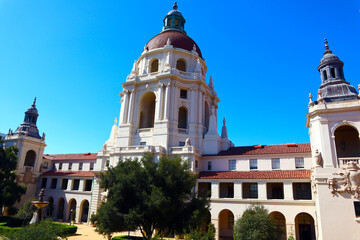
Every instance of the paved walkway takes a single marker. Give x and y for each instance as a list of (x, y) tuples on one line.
[(87, 232)]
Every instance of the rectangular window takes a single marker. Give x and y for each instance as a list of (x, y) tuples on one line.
[(43, 183), (45, 166), (275, 163), (232, 165), (80, 166), (183, 93), (142, 143), (176, 22), (88, 184), (181, 144), (70, 166), (275, 190), (209, 165), (54, 167), (76, 183), (250, 190), (53, 183), (60, 166), (196, 164), (299, 162), (332, 71), (204, 189), (226, 190), (302, 191), (107, 164), (64, 184), (253, 164), (91, 166), (357, 209)]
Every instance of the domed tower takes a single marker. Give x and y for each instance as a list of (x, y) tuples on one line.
[(334, 126), (166, 103), (31, 148)]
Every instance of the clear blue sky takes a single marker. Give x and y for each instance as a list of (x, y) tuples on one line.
[(263, 55)]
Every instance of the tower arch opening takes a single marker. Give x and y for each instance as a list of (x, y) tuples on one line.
[(183, 118), (181, 65), (147, 110), (347, 142), (226, 224), (30, 158), (304, 227), (154, 66)]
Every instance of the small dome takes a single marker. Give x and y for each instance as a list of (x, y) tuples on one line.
[(329, 57), (32, 110), (178, 40)]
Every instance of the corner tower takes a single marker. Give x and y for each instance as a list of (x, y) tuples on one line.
[(31, 149), (166, 105), (334, 126)]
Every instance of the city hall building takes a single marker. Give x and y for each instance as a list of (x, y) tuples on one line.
[(169, 107)]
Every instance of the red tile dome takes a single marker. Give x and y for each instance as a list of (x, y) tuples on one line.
[(178, 40)]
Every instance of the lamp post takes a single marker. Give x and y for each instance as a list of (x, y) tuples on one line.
[(71, 211)]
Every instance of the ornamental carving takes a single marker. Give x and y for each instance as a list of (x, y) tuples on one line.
[(349, 181)]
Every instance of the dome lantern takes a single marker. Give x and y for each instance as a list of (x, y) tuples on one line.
[(174, 21)]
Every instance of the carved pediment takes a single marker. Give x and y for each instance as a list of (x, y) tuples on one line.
[(348, 180)]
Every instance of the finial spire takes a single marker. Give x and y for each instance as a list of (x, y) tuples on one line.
[(224, 121), (34, 103), (327, 49), (175, 6)]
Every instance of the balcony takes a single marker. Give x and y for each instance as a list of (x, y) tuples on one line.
[(347, 160)]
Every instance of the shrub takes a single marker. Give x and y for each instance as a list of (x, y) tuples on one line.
[(199, 234), (27, 210), (66, 229), (126, 237), (11, 221), (93, 218)]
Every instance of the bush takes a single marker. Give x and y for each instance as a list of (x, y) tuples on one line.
[(199, 234), (27, 210), (126, 237), (11, 221), (93, 218), (67, 229), (6, 230)]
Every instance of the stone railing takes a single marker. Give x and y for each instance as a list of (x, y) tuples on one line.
[(345, 161)]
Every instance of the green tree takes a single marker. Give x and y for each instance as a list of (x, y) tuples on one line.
[(10, 191), (255, 224), (27, 210), (150, 195)]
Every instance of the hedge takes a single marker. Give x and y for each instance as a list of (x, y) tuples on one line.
[(126, 237), (69, 230)]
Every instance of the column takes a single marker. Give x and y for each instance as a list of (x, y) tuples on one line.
[(58, 184), (123, 106), (81, 185), (262, 190), (238, 189), (166, 110), (214, 190), (288, 190), (172, 99), (200, 107), (160, 102), (131, 107), (70, 181), (193, 105)]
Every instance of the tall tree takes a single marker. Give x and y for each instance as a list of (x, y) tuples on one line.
[(10, 191), (256, 224), (151, 195)]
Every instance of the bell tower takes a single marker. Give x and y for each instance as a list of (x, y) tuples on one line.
[(334, 126), (167, 107), (31, 149)]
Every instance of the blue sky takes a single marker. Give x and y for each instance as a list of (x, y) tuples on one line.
[(263, 56)]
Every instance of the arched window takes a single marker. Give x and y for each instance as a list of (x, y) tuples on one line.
[(180, 65), (347, 142), (183, 118), (30, 158), (147, 110), (324, 75), (154, 66)]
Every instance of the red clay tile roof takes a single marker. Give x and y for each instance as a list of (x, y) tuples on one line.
[(268, 149), (72, 156), (68, 174), (286, 174)]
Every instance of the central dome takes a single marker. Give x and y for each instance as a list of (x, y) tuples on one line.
[(178, 40)]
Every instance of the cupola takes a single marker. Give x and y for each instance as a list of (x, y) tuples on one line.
[(174, 21), (28, 127), (333, 85)]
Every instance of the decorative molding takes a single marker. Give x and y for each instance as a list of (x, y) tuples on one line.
[(348, 182)]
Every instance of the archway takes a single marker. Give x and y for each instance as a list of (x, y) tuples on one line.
[(182, 118), (181, 65), (71, 208), (154, 65), (280, 222), (60, 211), (30, 158), (347, 142), (304, 227), (226, 225), (147, 110), (84, 211)]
